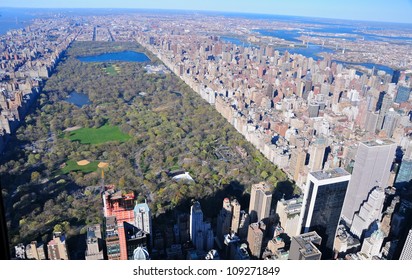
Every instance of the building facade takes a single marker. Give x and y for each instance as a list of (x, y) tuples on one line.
[(322, 204)]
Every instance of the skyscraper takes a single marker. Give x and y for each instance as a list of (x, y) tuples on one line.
[(235, 216), (255, 239), (372, 245), (120, 205), (201, 233), (243, 225), (317, 154), (196, 221), (390, 122), (143, 219), (289, 215), (224, 220), (372, 166), (407, 248), (370, 211), (386, 105), (112, 238), (322, 204), (260, 200), (297, 161)]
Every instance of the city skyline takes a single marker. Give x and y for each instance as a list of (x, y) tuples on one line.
[(215, 104), (381, 11)]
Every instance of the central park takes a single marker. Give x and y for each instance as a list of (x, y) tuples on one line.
[(144, 125)]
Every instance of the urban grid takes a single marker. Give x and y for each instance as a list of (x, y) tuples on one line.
[(342, 133)]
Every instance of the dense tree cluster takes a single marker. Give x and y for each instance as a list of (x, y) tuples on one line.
[(171, 128)]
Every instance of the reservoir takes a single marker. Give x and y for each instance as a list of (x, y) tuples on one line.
[(125, 56)]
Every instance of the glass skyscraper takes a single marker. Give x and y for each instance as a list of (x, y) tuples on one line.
[(322, 204)]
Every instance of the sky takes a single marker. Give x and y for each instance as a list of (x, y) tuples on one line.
[(371, 10)]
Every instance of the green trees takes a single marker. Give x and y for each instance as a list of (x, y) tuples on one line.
[(170, 128)]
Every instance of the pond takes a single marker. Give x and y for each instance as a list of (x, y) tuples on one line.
[(78, 99)]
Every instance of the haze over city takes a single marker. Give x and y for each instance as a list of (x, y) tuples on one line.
[(371, 10)]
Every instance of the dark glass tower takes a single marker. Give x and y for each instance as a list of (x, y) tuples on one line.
[(323, 201)]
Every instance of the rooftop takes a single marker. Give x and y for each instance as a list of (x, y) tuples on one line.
[(378, 142), (306, 243), (329, 174)]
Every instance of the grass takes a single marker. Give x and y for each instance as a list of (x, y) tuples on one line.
[(71, 165), (112, 70), (103, 134)]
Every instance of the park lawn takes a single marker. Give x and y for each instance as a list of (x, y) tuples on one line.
[(71, 165), (103, 134), (112, 70)]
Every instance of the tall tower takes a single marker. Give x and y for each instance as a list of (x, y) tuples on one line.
[(317, 154), (224, 221), (322, 204), (143, 219), (235, 216), (289, 215), (370, 211), (390, 122), (407, 248), (373, 162), (196, 221), (260, 200), (386, 105), (297, 161), (255, 239)]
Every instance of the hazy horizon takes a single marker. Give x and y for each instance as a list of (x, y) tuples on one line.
[(368, 10)]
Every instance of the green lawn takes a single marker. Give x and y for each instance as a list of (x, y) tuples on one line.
[(71, 165), (112, 70), (99, 135)]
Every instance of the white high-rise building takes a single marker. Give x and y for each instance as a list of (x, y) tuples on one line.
[(143, 219), (372, 167), (372, 245), (289, 215), (370, 211)]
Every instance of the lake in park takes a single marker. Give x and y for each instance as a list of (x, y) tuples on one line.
[(78, 99), (125, 56)]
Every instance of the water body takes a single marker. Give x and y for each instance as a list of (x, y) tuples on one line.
[(311, 51), (314, 50), (288, 35), (125, 56), (385, 68), (78, 99), (235, 41), (14, 19)]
